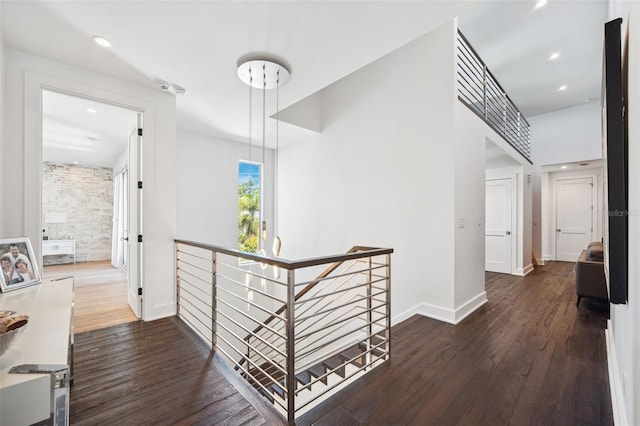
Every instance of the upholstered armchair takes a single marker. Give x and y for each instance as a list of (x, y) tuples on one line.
[(590, 279)]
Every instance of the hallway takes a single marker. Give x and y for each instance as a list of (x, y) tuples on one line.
[(526, 357)]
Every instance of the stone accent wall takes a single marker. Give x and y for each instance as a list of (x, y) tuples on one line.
[(85, 195)]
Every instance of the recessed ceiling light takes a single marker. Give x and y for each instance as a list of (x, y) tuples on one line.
[(562, 88), (75, 162), (540, 4), (554, 55), (563, 167), (92, 111), (102, 41)]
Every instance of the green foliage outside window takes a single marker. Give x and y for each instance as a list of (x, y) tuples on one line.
[(248, 207)]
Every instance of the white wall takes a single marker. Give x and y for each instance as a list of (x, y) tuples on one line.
[(2, 102), (207, 188), (470, 207), (26, 76), (565, 136), (471, 193), (381, 173), (624, 329)]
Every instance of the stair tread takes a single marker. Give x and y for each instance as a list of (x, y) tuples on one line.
[(267, 395), (379, 351), (336, 364), (352, 351), (304, 377), (318, 370), (276, 388), (269, 368)]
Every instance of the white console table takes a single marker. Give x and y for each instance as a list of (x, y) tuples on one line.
[(59, 247), (35, 371)]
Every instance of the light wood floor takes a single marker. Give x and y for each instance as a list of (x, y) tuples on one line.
[(100, 294)]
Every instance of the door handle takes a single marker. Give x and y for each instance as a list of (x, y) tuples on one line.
[(558, 230), (508, 232)]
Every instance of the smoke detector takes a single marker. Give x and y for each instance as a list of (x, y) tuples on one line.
[(164, 85)]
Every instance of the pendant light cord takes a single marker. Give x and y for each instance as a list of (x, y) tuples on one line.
[(264, 118), (264, 112), (277, 157), (250, 113)]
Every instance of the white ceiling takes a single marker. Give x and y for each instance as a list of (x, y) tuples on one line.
[(83, 131), (198, 45)]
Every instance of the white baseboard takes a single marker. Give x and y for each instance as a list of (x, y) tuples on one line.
[(546, 257), (437, 312), (470, 307), (426, 310), (443, 314), (522, 272), (615, 385), (405, 315)]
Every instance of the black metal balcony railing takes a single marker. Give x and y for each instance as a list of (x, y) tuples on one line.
[(480, 91)]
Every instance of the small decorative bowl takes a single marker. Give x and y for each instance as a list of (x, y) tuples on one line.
[(7, 339)]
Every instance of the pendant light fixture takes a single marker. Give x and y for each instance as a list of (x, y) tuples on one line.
[(273, 76), (277, 242)]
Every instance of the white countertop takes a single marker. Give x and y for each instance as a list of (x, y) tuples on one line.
[(44, 341)]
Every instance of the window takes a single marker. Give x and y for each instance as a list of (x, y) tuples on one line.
[(249, 195)]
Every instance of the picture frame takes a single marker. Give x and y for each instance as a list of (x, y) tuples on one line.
[(19, 265)]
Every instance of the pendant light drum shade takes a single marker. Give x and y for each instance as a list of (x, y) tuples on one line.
[(270, 73)]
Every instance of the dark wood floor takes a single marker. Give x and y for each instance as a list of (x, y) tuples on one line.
[(527, 357), (152, 373)]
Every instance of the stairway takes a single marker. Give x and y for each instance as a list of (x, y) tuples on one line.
[(336, 364)]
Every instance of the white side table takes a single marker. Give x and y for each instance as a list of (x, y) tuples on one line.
[(58, 247)]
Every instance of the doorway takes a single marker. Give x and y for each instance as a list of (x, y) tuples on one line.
[(574, 216), (498, 225), (87, 161)]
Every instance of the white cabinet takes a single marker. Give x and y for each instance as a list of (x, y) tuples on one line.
[(58, 247), (42, 354)]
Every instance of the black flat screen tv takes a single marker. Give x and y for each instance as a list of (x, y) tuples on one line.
[(614, 131)]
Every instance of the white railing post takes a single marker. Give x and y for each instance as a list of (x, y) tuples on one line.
[(291, 347)]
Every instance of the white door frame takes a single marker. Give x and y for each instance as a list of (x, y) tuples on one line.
[(555, 178), (35, 83), (512, 236), (515, 174)]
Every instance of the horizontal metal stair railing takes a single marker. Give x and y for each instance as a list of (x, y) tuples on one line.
[(296, 340)]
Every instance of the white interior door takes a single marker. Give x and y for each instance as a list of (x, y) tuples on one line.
[(120, 220), (134, 228), (574, 217), (498, 237)]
